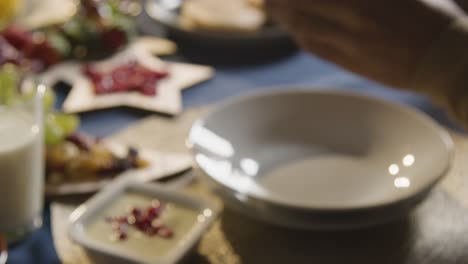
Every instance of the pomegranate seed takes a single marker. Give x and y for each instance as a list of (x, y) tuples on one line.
[(125, 78), (165, 232), (151, 231), (147, 222), (153, 212), (122, 236), (136, 212)]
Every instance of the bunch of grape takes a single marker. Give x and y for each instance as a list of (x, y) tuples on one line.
[(99, 29), (57, 126)]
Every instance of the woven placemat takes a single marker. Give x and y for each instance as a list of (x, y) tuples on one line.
[(437, 232)]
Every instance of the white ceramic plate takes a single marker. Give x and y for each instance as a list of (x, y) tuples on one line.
[(112, 252), (161, 165), (320, 158)]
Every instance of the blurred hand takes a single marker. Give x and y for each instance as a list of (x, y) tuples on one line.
[(383, 40)]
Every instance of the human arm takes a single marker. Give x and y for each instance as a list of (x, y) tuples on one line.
[(405, 44)]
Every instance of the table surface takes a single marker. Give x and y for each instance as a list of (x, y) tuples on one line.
[(233, 78)]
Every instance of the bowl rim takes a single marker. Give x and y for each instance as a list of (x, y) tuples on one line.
[(321, 220), (443, 134), (103, 198)]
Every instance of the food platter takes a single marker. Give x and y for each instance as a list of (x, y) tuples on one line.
[(167, 14), (160, 165)]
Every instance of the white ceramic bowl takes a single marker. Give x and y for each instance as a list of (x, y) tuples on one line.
[(320, 159), (112, 252)]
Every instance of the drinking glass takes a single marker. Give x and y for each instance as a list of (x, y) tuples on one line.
[(21, 161)]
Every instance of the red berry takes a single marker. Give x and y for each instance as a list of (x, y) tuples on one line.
[(165, 232), (136, 212), (151, 231), (152, 212), (145, 221), (122, 236)]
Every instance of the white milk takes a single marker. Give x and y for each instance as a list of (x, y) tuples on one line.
[(21, 170)]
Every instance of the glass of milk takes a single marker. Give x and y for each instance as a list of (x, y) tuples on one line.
[(21, 165)]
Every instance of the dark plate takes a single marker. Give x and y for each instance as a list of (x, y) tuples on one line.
[(166, 13)]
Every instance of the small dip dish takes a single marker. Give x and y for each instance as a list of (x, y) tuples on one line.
[(131, 222)]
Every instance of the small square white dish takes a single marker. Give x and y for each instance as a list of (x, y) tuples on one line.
[(187, 217)]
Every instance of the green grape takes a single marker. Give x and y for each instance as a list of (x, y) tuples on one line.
[(69, 123), (76, 29), (53, 132), (9, 78), (48, 100), (59, 42), (58, 125)]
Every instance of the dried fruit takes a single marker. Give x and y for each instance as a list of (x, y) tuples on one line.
[(92, 159)]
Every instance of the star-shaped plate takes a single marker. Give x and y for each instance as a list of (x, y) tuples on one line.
[(167, 100)]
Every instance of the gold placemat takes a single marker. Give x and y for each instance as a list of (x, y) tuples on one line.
[(437, 232)]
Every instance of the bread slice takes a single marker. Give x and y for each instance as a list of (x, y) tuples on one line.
[(224, 16)]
